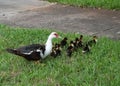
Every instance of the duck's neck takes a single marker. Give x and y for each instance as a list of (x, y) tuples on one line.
[(48, 46)]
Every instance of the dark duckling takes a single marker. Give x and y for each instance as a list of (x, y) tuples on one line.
[(93, 41), (56, 51), (76, 42), (80, 44), (86, 49), (53, 53), (70, 49), (63, 42)]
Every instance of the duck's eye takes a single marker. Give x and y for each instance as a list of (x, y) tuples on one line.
[(56, 34)]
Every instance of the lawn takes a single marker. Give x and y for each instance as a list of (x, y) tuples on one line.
[(100, 67), (109, 4)]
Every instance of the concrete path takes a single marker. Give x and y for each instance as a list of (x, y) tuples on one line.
[(42, 14), (10, 8)]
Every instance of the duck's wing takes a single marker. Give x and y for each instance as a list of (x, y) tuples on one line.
[(30, 48), (30, 52)]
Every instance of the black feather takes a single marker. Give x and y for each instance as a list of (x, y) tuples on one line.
[(31, 49)]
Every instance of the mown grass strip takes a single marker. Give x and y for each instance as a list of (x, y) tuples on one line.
[(109, 4)]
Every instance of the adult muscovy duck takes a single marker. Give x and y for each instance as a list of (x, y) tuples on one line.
[(35, 51)]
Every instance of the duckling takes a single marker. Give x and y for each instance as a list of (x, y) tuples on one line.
[(72, 44), (70, 49), (86, 49), (56, 51), (56, 45), (93, 41), (81, 37), (80, 44), (76, 42), (64, 42), (53, 53)]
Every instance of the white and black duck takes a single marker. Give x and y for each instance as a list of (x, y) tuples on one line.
[(35, 51)]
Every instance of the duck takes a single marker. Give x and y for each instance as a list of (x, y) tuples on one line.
[(86, 49), (53, 53), (56, 50), (70, 49), (80, 44), (35, 52), (76, 42), (93, 41), (64, 42)]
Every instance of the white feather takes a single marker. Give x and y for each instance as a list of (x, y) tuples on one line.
[(28, 53)]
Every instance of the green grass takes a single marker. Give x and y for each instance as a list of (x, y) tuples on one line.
[(101, 67), (109, 4)]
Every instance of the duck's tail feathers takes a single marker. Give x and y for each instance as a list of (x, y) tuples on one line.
[(16, 52), (13, 51)]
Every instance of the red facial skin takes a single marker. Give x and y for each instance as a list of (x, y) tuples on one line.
[(56, 35)]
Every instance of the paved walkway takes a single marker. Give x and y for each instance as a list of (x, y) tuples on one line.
[(42, 14)]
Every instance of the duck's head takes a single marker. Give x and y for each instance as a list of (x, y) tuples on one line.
[(54, 35)]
